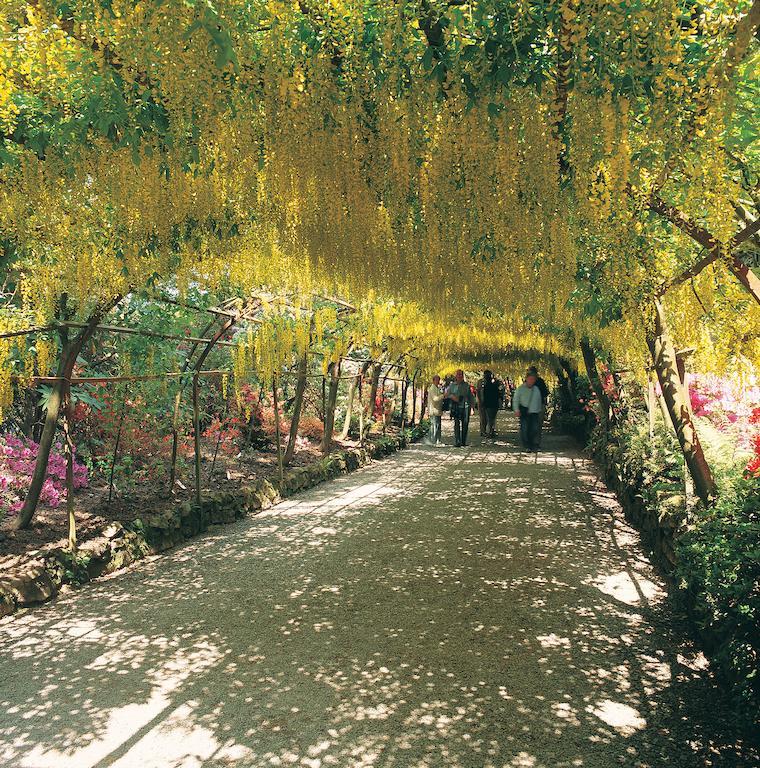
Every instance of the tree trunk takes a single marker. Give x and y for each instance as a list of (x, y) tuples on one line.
[(68, 445), (571, 371), (664, 359), (376, 370), (332, 399), (651, 404), (276, 408), (68, 360), (404, 394), (414, 401), (303, 365), (349, 407), (197, 439), (589, 359)]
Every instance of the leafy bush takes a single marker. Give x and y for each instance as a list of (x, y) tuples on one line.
[(719, 573), (144, 446), (17, 459), (311, 428), (647, 464)]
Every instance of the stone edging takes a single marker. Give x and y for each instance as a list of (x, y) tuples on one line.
[(660, 522), (116, 546)]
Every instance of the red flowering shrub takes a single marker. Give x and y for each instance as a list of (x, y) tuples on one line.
[(144, 446), (311, 428), (753, 466), (227, 432), (17, 460), (722, 401)]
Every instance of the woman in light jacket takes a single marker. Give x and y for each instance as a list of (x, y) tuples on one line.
[(435, 398)]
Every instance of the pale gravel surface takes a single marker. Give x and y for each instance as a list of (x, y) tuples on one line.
[(473, 607)]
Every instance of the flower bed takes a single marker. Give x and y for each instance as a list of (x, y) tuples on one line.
[(37, 579)]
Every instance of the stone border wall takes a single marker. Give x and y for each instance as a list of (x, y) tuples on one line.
[(659, 521), (41, 577)]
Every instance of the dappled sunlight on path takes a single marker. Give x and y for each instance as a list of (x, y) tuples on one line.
[(473, 607)]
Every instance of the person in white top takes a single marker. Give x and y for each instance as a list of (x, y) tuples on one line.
[(435, 399), (527, 401)]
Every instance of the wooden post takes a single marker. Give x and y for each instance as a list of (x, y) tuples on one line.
[(211, 343), (414, 400), (68, 447), (301, 377), (332, 398), (376, 371), (178, 407), (664, 359), (297, 406), (277, 426), (404, 392), (218, 440), (350, 406), (197, 439), (116, 444), (651, 403), (361, 414)]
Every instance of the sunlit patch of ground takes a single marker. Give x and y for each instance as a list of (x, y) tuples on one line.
[(443, 608)]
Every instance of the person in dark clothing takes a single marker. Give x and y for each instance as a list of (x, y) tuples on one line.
[(461, 397), (527, 402), (490, 402), (544, 390)]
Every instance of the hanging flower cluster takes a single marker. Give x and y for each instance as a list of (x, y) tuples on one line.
[(456, 172)]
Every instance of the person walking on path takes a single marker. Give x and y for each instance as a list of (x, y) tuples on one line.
[(544, 390), (489, 403), (460, 395), (527, 402), (435, 410), (481, 406)]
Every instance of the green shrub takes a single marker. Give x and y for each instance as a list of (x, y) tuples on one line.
[(718, 556), (646, 464), (719, 574)]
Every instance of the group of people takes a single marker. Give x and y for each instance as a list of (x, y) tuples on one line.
[(460, 398)]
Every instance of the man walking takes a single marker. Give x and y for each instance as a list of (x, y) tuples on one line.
[(527, 402), (435, 410), (544, 390), (460, 395), (481, 406), (489, 403)]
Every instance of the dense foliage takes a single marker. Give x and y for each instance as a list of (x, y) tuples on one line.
[(714, 552), (719, 568)]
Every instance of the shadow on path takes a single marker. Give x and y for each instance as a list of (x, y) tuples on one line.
[(474, 607)]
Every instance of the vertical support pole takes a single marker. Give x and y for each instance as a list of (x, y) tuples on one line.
[(276, 406), (651, 404), (116, 444), (414, 400), (374, 384), (197, 439), (68, 447), (404, 393), (361, 413), (218, 439)]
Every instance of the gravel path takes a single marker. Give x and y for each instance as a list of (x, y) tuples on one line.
[(444, 607)]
